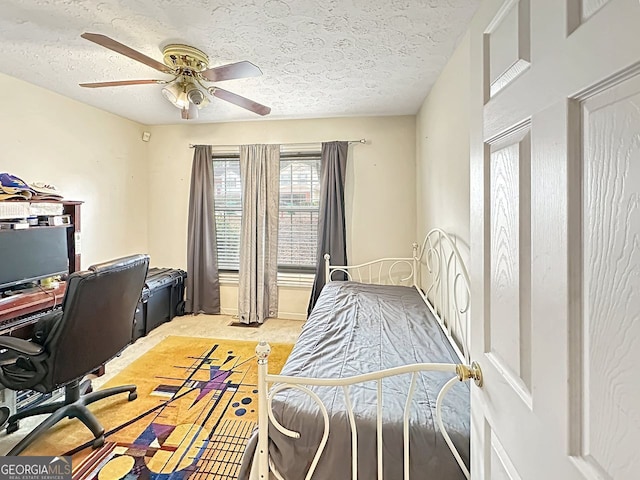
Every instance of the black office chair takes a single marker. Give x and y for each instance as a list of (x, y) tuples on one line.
[(93, 326)]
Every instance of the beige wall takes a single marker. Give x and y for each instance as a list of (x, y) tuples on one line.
[(89, 154), (442, 144), (136, 194), (380, 190)]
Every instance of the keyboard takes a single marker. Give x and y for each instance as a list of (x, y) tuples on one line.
[(7, 326)]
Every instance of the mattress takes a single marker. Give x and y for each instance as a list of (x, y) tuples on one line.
[(354, 329)]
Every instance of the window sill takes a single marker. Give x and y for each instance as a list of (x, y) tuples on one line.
[(297, 280)]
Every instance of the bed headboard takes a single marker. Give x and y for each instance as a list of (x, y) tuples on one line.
[(382, 271), (437, 270), (442, 279)]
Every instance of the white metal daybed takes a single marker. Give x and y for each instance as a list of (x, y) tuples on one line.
[(362, 394)]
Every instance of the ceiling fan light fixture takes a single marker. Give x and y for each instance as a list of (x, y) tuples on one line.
[(183, 100), (190, 112), (172, 91), (196, 96), (176, 93)]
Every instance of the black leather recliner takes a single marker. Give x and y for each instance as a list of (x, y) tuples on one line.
[(93, 326)]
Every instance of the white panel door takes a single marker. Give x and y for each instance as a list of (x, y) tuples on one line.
[(555, 239)]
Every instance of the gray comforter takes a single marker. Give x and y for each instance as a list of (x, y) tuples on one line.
[(354, 329)]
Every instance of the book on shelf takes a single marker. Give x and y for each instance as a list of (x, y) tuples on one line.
[(46, 209), (54, 220), (12, 210), (13, 225)]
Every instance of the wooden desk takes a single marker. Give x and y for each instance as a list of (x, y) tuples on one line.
[(13, 309)]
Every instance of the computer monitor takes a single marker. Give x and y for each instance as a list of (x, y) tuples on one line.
[(32, 254)]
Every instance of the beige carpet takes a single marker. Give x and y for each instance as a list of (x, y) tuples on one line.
[(273, 331)]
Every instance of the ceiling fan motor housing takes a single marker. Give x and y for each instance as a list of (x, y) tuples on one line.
[(180, 57)]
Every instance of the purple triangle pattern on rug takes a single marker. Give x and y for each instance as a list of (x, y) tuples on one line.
[(162, 432)]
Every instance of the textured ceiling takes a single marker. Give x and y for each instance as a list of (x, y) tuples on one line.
[(320, 58)]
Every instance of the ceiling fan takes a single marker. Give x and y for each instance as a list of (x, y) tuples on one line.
[(190, 68)]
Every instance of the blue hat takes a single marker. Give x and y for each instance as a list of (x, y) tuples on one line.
[(12, 185)]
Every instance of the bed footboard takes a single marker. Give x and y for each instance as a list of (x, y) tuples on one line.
[(459, 373)]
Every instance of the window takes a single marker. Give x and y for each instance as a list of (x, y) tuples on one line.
[(298, 218), (228, 205), (299, 205)]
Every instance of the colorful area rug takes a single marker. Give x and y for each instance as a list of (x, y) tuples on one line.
[(196, 409)]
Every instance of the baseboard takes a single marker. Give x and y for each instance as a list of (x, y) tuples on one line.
[(233, 312), (292, 316)]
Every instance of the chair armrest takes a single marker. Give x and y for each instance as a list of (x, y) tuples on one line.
[(20, 346)]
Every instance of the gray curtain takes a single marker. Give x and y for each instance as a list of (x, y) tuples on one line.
[(331, 223), (260, 179), (203, 285)]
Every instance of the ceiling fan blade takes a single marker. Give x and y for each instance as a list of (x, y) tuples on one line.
[(118, 47), (241, 101), (231, 71), (120, 83)]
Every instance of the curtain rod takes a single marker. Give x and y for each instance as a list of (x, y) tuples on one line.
[(362, 140)]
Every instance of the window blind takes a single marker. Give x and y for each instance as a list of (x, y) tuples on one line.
[(228, 211), (298, 217)]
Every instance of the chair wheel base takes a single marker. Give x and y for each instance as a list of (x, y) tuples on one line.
[(98, 442), (13, 427), (133, 396), (5, 413)]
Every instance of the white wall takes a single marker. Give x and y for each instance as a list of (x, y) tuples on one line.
[(380, 190), (442, 147), (89, 154)]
